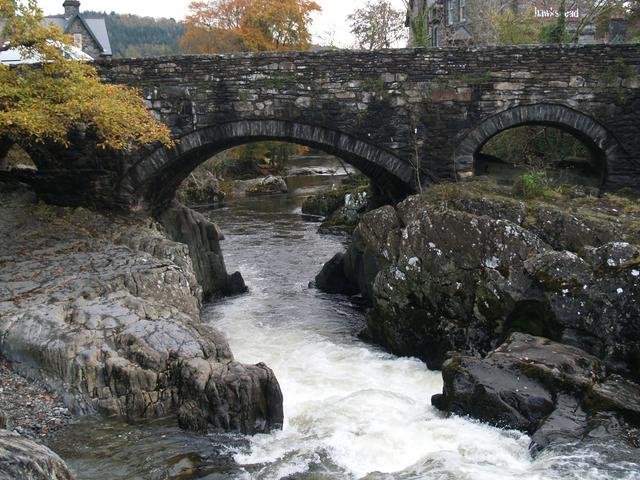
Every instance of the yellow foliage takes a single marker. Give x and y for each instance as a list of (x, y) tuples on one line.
[(43, 102)]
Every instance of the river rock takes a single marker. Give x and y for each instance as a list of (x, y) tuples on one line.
[(105, 310), (323, 204), (201, 187), (346, 218), (558, 393), (267, 186), (203, 238), (26, 460), (463, 265), (332, 277)]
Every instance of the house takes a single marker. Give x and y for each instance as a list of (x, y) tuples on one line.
[(470, 22), (89, 34)]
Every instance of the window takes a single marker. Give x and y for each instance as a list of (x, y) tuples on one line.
[(462, 12), (77, 40), (435, 42), (449, 12)]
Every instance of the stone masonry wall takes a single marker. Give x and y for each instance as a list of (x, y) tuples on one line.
[(388, 104)]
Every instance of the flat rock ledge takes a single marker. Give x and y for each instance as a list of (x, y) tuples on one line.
[(24, 459), (105, 310)]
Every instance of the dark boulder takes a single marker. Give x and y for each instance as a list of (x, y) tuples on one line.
[(201, 187), (267, 186), (558, 393), (332, 277), (462, 266)]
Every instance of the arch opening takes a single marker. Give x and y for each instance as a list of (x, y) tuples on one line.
[(263, 168), (158, 176), (600, 149), (564, 157)]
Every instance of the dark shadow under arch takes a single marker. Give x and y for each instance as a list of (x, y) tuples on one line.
[(158, 175), (604, 147)]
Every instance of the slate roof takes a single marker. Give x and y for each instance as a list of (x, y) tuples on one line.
[(96, 27)]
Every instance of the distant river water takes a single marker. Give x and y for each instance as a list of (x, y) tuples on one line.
[(352, 410)]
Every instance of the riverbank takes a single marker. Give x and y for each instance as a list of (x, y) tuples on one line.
[(104, 310), (29, 408)]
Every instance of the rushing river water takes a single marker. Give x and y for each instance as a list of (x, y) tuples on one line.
[(352, 411)]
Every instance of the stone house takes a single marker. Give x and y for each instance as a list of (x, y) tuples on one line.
[(469, 22), (89, 34)]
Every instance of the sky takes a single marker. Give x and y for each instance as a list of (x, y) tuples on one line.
[(330, 23)]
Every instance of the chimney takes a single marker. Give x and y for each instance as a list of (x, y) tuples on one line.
[(71, 8)]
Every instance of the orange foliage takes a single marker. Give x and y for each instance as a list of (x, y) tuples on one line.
[(220, 26)]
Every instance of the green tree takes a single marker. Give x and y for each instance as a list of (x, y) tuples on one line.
[(556, 31), (135, 36), (419, 27), (43, 103)]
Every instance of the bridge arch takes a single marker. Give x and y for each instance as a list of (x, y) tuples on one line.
[(605, 149), (157, 175)]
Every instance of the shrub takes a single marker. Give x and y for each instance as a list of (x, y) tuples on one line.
[(533, 184)]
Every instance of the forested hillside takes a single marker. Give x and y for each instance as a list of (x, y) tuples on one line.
[(134, 36)]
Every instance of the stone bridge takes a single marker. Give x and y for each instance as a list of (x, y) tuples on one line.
[(405, 118)]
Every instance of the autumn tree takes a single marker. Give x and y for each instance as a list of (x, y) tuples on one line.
[(377, 25), (219, 26), (44, 102)]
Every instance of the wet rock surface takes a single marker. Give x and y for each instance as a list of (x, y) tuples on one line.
[(323, 204), (104, 310), (21, 458), (558, 393)]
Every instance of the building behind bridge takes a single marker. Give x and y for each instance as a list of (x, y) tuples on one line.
[(89, 34), (470, 22)]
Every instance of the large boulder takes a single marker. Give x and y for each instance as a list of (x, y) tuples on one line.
[(558, 393), (24, 459), (201, 187), (463, 265), (106, 311)]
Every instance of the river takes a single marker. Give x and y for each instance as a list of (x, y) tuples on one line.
[(352, 410)]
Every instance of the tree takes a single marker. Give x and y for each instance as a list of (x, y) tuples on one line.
[(377, 25), (419, 27), (44, 102), (556, 31), (516, 29), (219, 26)]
